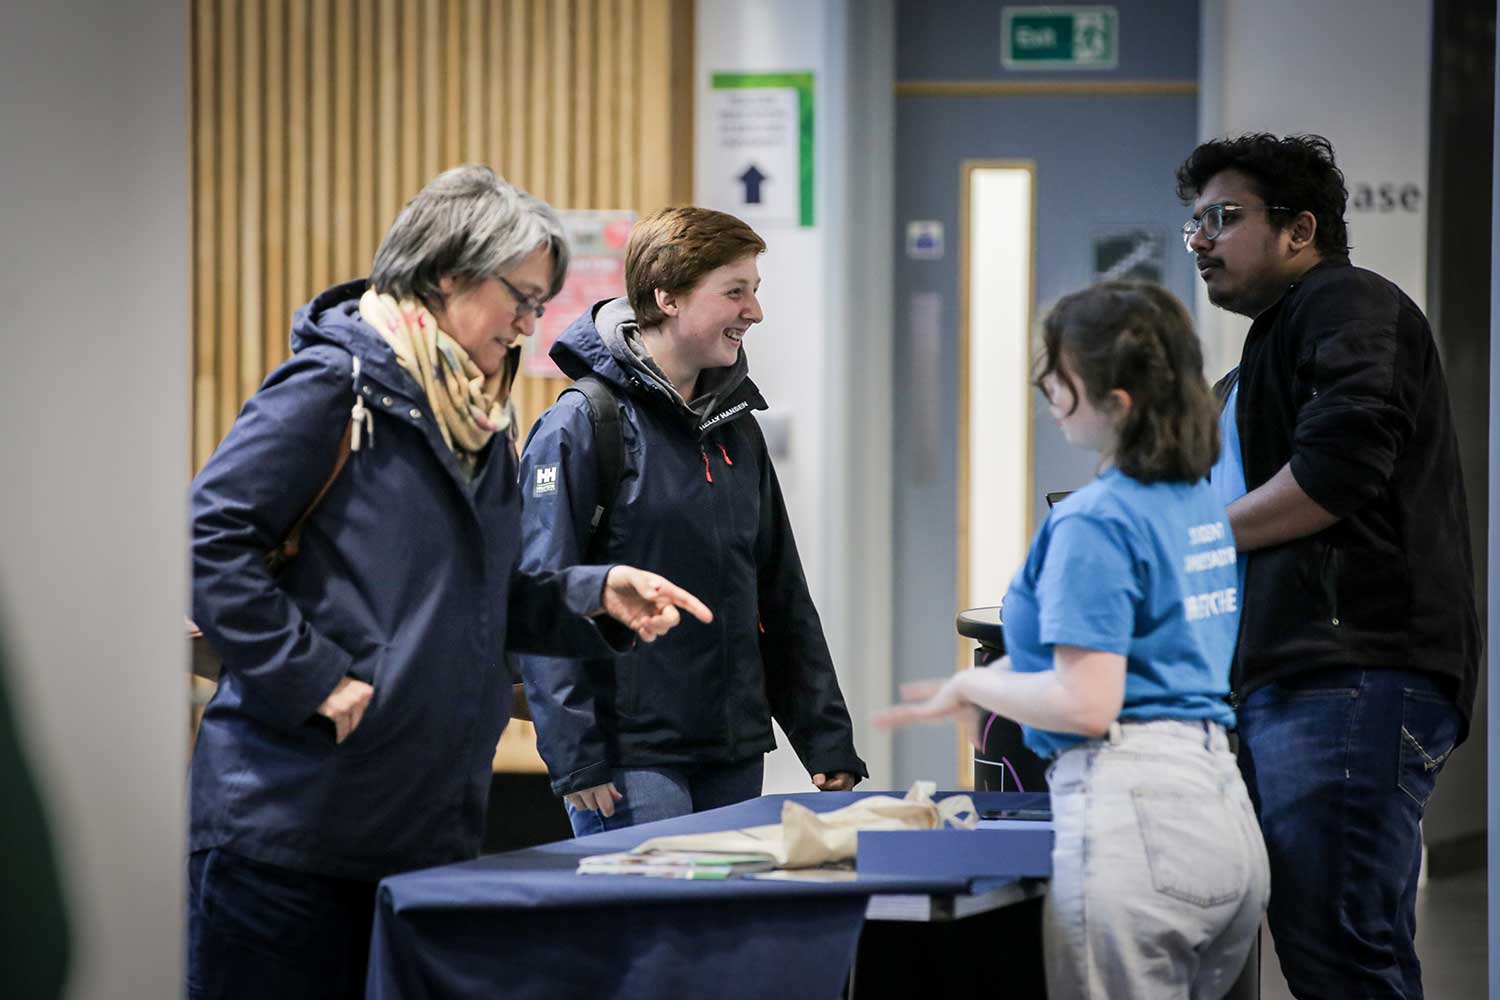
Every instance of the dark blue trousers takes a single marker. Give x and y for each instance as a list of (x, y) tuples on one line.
[(1340, 764), (257, 930)]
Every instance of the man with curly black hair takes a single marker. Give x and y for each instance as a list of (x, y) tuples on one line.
[(1358, 653)]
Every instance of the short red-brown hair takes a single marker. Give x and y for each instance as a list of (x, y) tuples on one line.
[(675, 248)]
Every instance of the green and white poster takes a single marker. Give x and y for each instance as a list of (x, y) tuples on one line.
[(761, 154)]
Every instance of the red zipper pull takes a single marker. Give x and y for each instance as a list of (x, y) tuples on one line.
[(727, 460), (707, 472)]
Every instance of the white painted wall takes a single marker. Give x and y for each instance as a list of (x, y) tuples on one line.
[(822, 355), (1356, 71), (94, 267)]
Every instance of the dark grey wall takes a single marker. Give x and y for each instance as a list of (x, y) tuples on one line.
[(1458, 304), (1492, 616), (1101, 162), (960, 40)]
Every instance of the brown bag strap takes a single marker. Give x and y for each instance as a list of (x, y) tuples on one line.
[(287, 550)]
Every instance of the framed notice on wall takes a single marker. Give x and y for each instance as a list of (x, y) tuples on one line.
[(760, 161), (597, 271), (1130, 253)]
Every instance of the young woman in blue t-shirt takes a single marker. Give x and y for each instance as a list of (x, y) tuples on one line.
[(1120, 628)]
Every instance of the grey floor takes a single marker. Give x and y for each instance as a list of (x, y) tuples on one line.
[(1451, 942)]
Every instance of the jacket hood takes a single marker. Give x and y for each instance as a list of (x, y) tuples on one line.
[(606, 341), (332, 317)]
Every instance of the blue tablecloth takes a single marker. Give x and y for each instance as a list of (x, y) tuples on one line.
[(524, 924)]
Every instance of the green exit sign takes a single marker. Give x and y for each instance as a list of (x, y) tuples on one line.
[(1059, 37)]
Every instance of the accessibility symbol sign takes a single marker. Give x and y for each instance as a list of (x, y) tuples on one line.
[(924, 239)]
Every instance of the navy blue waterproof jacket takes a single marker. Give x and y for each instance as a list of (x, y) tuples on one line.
[(406, 580), (698, 503)]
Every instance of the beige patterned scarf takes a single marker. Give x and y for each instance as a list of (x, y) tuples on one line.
[(470, 407)]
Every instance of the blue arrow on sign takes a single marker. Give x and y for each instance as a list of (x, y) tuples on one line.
[(752, 179)]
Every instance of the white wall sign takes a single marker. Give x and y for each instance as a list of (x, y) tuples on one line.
[(760, 154)]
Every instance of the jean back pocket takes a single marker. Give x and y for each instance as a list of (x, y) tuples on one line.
[(1194, 846), (1429, 730)]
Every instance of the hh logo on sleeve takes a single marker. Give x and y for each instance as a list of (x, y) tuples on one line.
[(546, 480)]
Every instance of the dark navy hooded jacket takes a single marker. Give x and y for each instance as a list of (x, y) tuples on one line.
[(406, 580), (699, 503)]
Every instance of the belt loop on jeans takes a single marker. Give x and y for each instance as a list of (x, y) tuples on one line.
[(1116, 734)]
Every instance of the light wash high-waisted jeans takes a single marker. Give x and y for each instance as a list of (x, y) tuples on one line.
[(1159, 873)]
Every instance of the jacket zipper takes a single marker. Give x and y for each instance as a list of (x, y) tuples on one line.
[(1331, 585), (719, 621)]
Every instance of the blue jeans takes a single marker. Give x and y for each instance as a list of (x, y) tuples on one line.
[(258, 930), (653, 793), (1340, 764)]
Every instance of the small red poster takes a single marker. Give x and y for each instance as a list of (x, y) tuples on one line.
[(597, 271)]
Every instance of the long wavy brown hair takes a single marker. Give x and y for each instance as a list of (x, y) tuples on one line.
[(1137, 337)]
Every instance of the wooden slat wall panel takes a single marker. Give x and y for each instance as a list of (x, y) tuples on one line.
[(315, 120), (206, 427), (273, 243), (252, 287), (297, 119), (586, 66), (343, 205), (226, 375)]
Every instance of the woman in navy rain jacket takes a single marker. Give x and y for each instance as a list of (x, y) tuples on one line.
[(364, 686), (684, 726)]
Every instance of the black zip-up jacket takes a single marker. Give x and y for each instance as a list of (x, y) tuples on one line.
[(699, 503), (1341, 378)]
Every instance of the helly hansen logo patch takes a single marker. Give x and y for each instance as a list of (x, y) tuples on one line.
[(546, 480)]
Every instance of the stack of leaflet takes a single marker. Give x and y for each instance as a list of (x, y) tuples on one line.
[(676, 864)]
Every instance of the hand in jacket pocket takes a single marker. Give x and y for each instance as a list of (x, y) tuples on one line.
[(346, 706)]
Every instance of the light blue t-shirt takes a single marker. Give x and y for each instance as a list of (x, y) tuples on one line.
[(1228, 474), (1146, 571)]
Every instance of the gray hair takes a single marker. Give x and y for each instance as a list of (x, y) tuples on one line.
[(469, 224)]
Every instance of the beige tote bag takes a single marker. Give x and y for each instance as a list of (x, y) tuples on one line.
[(805, 838)]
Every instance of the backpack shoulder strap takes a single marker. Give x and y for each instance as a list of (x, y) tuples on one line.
[(284, 553), (609, 454)]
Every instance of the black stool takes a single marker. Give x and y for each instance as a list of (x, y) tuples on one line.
[(1004, 764)]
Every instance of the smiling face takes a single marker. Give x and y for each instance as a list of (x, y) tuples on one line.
[(1249, 264), (484, 318), (707, 323)]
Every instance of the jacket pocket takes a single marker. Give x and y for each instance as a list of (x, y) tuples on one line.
[(1429, 729), (1178, 832), (627, 684), (372, 731), (1328, 576)]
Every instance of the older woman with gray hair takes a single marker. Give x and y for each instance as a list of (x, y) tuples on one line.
[(355, 539)]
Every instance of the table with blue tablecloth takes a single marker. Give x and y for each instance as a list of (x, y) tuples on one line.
[(524, 924)]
